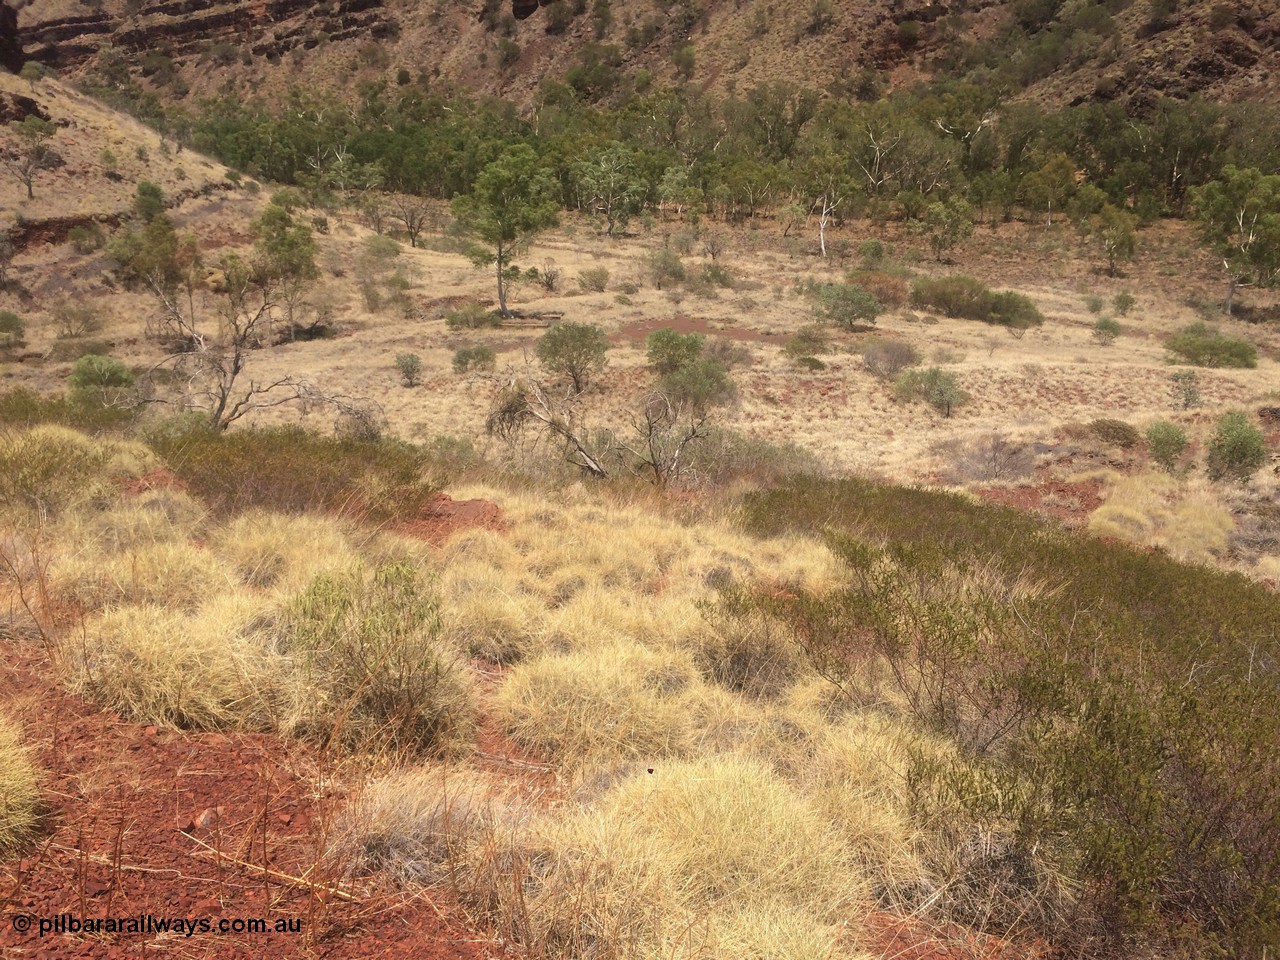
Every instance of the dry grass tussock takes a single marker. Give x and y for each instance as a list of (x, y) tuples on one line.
[(421, 825), (158, 516), (19, 789), (284, 553), (855, 770), (601, 705), (1188, 519), (212, 669), (709, 858), (713, 858), (168, 573), (48, 470), (569, 576)]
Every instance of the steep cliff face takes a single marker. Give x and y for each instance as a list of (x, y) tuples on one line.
[(10, 45), (188, 27), (507, 47)]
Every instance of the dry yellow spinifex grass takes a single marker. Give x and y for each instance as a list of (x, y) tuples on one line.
[(19, 788)]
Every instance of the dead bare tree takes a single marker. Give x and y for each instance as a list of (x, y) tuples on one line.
[(664, 431), (522, 401), (414, 212), (214, 369)]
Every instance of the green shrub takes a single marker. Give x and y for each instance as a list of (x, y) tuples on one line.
[(594, 279), (375, 667), (967, 298), (1237, 450), (575, 350), (872, 253), (1105, 331), (716, 275), (665, 267), (410, 367), (701, 384), (808, 341), (1115, 432), (508, 51), (148, 202), (1102, 742), (87, 239), (96, 372), (559, 17), (12, 329), (291, 470), (82, 410), (1167, 442), (845, 305), (669, 350), (1123, 302), (956, 296), (936, 387), (1013, 310), (472, 316), (467, 359), (1093, 303), (1203, 346), (724, 456), (1186, 384)]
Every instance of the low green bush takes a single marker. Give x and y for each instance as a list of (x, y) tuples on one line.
[(1105, 331), (936, 387), (95, 372), (473, 316), (594, 279), (469, 359), (811, 340), (1115, 432), (701, 384), (669, 350), (376, 668), (1120, 723), (291, 470), (969, 299), (1167, 442), (1237, 450), (845, 305), (80, 410), (1204, 346), (12, 329), (410, 367)]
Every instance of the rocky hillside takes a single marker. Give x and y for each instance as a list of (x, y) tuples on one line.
[(1055, 52)]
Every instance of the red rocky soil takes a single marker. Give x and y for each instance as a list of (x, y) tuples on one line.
[(445, 516), (210, 826)]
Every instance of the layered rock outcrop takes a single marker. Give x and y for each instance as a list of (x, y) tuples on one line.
[(10, 45)]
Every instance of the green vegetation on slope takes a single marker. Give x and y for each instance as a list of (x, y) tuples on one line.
[(1120, 711)]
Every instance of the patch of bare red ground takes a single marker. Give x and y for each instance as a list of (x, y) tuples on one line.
[(1087, 496), (158, 479), (444, 516), (891, 936), (525, 773), (141, 821)]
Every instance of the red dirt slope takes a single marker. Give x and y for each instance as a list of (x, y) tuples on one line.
[(186, 825)]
